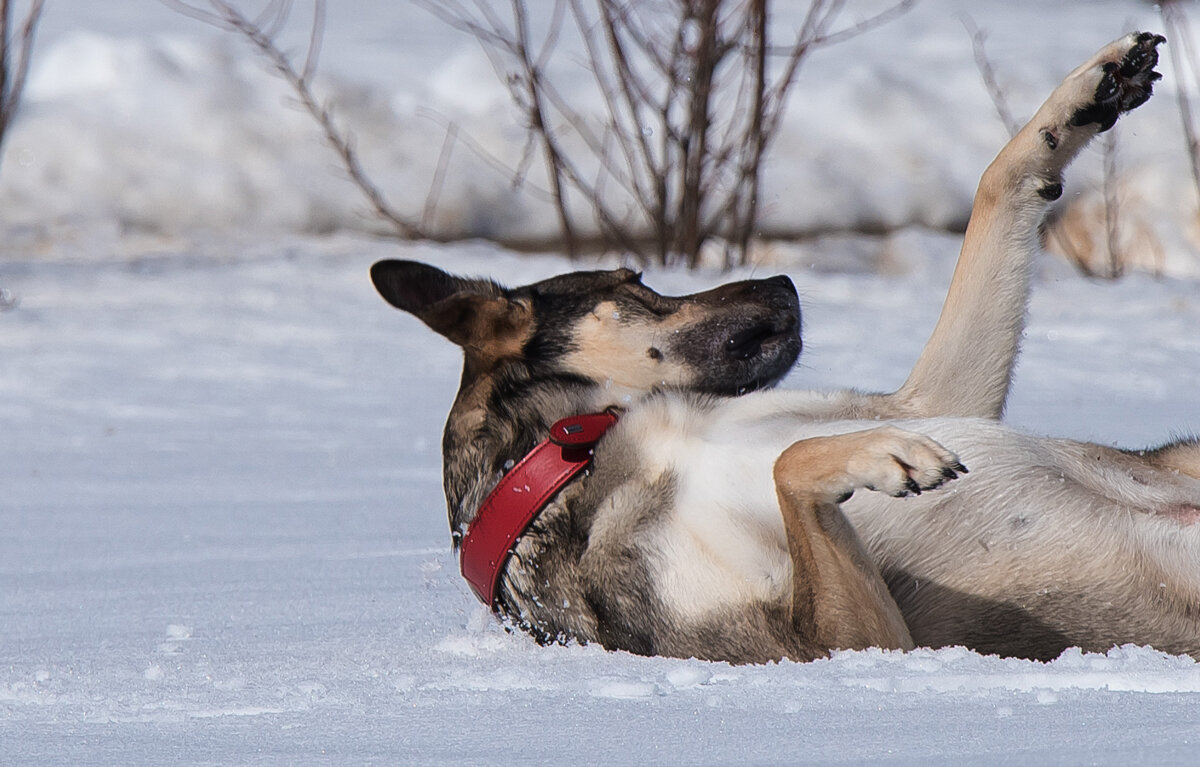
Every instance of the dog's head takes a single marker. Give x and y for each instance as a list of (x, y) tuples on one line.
[(608, 328)]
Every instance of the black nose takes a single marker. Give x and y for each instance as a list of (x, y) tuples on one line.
[(746, 344), (781, 281)]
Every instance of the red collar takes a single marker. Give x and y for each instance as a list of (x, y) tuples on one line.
[(522, 493)]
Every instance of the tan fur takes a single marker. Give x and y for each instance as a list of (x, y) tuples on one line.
[(838, 599), (609, 346)]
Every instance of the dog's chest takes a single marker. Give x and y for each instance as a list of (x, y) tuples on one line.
[(717, 540)]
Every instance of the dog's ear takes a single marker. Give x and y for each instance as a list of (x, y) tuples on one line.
[(474, 314)]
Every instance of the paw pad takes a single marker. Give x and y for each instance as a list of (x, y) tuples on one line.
[(1125, 85)]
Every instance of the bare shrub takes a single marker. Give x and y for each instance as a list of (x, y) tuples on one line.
[(693, 93)]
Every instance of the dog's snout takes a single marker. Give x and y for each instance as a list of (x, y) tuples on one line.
[(781, 281)]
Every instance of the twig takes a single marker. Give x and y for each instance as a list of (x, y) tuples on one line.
[(535, 92), (228, 17), (988, 73), (1183, 61), (1112, 214), (439, 177)]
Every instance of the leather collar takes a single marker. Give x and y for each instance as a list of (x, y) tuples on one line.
[(522, 493)]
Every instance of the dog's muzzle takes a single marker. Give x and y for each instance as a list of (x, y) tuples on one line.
[(750, 339)]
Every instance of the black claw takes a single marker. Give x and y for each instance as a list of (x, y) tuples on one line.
[(912, 486), (1050, 139), (949, 473), (961, 469), (1140, 58)]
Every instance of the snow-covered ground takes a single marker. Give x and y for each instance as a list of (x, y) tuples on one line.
[(224, 537)]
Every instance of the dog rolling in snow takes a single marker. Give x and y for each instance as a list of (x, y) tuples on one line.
[(694, 513)]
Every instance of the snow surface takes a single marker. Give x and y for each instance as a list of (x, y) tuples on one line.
[(225, 540)]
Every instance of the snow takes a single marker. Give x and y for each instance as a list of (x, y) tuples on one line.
[(142, 119), (225, 540)]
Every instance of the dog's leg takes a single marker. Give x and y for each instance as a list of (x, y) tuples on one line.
[(966, 367), (839, 599), (1182, 457)]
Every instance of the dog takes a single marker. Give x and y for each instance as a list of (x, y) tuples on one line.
[(714, 517)]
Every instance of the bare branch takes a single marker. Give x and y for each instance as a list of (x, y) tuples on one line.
[(866, 25), (477, 149), (535, 91), (317, 33), (12, 74), (226, 16), (439, 177), (1112, 213), (988, 73), (1183, 61)]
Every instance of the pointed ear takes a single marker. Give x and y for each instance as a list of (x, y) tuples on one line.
[(414, 287), (471, 313)]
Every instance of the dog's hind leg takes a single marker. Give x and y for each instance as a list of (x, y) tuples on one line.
[(966, 366), (1182, 456), (839, 599)]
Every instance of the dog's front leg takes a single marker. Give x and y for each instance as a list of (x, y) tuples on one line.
[(839, 600), (966, 367)]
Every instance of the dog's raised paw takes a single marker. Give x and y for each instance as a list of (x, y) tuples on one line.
[(901, 463), (1126, 80)]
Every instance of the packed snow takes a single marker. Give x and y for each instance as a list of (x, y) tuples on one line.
[(225, 539)]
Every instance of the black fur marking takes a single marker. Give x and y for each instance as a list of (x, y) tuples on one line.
[(654, 354), (1104, 114), (1051, 191)]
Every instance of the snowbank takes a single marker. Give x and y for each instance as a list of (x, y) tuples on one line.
[(151, 122)]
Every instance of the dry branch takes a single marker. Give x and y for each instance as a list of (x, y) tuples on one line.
[(261, 32), (15, 53), (1186, 68)]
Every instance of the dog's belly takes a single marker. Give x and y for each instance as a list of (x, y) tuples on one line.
[(1032, 512)]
